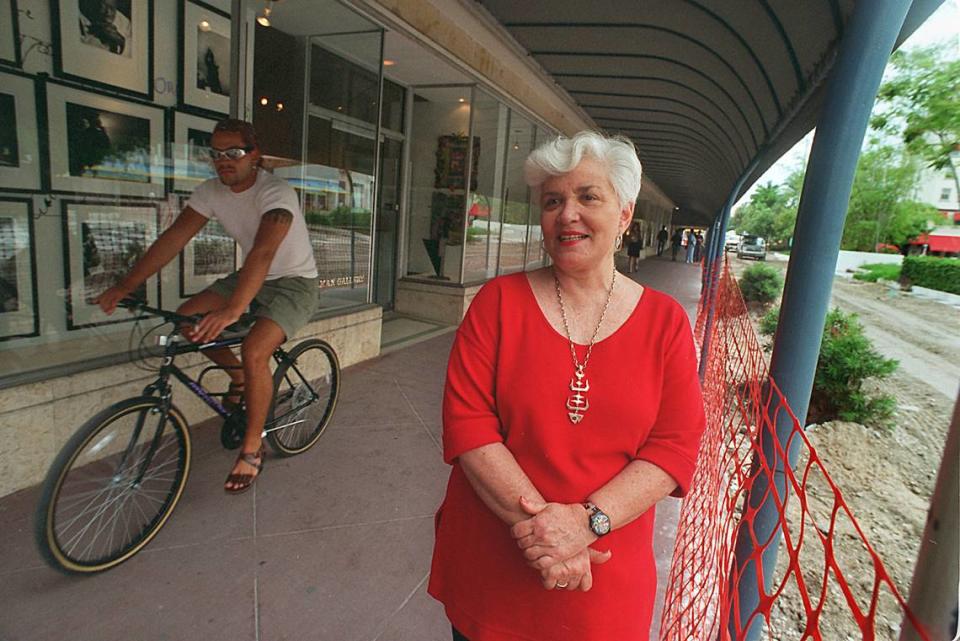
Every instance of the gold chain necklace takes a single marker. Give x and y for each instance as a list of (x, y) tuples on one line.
[(577, 405)]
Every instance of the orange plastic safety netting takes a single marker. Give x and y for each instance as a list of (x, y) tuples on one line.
[(828, 583)]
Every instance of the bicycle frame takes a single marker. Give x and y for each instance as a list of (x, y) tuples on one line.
[(175, 347), (168, 368)]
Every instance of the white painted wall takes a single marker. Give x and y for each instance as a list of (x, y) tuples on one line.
[(850, 260)]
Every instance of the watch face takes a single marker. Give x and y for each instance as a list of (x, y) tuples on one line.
[(599, 523)]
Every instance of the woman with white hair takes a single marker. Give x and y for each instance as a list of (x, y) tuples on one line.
[(571, 407)]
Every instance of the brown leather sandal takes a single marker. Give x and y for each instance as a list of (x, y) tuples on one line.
[(243, 482)]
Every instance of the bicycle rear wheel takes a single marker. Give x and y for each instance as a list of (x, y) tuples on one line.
[(113, 486), (306, 386)]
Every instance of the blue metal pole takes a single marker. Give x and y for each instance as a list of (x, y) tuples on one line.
[(870, 36), (708, 257), (709, 260), (713, 276)]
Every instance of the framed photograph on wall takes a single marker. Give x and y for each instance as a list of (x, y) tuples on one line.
[(9, 33), (19, 146), (19, 315), (106, 42), (210, 255), (204, 57), (102, 241), (191, 162), (104, 145)]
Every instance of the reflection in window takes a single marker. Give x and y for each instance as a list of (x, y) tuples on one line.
[(342, 86), (336, 186), (438, 164), (516, 199), (482, 247)]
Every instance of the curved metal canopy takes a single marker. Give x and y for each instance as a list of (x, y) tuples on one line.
[(703, 87)]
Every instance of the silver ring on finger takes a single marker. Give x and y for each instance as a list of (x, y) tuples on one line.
[(562, 585)]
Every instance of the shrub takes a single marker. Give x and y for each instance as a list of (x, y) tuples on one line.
[(761, 283), (847, 360), (875, 271), (935, 273), (768, 322)]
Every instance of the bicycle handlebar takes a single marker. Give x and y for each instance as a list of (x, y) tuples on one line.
[(134, 304)]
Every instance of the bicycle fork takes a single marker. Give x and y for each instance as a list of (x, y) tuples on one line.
[(162, 387)]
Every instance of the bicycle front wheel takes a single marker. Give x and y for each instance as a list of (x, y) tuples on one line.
[(113, 486), (306, 385)]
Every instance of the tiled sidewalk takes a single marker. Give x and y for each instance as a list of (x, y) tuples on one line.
[(330, 545)]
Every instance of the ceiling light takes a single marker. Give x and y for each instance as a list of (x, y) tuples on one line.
[(204, 25), (279, 106), (389, 63), (264, 101), (264, 18), (461, 99)]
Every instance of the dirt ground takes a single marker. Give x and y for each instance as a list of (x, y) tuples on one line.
[(885, 476)]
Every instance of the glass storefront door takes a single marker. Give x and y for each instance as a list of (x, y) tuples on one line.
[(387, 223)]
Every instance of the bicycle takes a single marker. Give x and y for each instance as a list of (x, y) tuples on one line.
[(117, 480)]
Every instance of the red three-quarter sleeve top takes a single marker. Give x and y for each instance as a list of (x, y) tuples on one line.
[(508, 381)]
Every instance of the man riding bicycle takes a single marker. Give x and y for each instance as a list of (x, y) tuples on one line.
[(278, 279)]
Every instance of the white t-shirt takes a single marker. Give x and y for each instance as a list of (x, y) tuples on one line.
[(240, 213)]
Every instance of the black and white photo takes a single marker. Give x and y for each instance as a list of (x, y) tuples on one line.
[(19, 146), (105, 24), (9, 148), (9, 33), (18, 313), (108, 145), (105, 42), (105, 145), (191, 151), (104, 240), (205, 53), (213, 62)]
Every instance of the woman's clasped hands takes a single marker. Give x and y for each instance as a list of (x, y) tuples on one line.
[(555, 541)]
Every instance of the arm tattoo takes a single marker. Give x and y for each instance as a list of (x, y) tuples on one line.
[(278, 217)]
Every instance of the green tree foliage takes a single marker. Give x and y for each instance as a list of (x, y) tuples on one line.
[(771, 212), (920, 103), (881, 207)]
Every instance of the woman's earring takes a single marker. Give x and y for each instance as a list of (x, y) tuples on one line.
[(618, 243)]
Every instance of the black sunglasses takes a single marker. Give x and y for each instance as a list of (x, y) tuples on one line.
[(234, 153)]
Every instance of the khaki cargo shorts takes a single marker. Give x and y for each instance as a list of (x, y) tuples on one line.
[(289, 301)]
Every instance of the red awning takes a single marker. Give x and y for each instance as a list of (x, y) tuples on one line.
[(937, 243)]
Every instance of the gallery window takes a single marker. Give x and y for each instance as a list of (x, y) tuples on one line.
[(329, 148), (468, 230)]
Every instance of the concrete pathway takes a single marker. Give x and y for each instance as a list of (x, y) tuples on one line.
[(331, 545)]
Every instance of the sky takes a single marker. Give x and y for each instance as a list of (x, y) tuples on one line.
[(943, 26)]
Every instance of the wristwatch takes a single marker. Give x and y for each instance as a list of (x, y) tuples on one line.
[(599, 522)]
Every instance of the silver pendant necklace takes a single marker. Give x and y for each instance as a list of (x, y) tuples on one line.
[(577, 404)]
